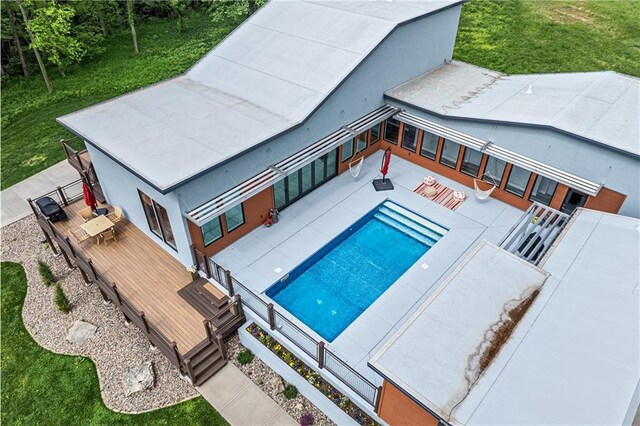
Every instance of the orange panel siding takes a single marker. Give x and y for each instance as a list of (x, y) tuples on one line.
[(396, 408), (607, 200)]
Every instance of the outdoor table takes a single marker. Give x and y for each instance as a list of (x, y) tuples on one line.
[(97, 225)]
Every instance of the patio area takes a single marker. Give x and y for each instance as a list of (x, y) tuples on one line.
[(262, 257)]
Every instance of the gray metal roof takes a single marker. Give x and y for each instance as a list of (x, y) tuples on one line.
[(574, 358), (600, 106), (270, 74)]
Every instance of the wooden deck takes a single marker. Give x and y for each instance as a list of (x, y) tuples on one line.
[(146, 275)]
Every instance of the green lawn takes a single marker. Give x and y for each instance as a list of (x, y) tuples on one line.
[(518, 37), (40, 387), (515, 36), (30, 135)]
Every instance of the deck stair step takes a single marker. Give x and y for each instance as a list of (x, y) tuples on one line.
[(200, 295), (205, 360)]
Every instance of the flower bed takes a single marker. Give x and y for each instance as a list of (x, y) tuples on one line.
[(311, 376)]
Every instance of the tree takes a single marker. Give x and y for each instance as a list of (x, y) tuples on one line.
[(132, 23), (43, 69), (65, 42), (179, 8), (232, 11), (16, 38)]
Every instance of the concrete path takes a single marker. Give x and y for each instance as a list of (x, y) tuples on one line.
[(240, 401), (12, 200)]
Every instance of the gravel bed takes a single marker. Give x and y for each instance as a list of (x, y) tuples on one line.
[(116, 348), (272, 384)]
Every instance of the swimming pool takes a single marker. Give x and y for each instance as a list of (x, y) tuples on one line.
[(330, 289)]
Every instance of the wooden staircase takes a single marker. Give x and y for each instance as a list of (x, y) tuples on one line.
[(222, 316)]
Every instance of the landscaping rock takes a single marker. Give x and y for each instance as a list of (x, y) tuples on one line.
[(276, 384), (80, 331), (139, 379)]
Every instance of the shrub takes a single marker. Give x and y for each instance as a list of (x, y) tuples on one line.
[(290, 391), (61, 300), (45, 273), (306, 420), (245, 357)]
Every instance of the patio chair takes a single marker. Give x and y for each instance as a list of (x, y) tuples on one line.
[(80, 235), (108, 236), (116, 215), (86, 214)]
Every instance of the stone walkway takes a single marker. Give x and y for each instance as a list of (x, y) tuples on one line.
[(242, 402), (13, 199)]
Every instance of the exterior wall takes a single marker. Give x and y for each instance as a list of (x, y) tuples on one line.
[(121, 189), (256, 211), (618, 171), (396, 408)]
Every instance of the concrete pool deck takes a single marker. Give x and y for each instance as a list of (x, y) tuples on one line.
[(265, 255)]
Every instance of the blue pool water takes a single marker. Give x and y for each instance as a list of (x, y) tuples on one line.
[(329, 290)]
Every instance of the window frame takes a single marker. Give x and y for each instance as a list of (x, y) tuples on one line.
[(415, 138), (342, 151), (506, 182), (462, 162), (204, 242), (455, 164), (371, 139), (384, 135), (553, 193), (156, 214), (362, 137), (435, 153), (226, 221), (485, 171)]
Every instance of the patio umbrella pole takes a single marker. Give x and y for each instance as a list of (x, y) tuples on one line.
[(384, 184)]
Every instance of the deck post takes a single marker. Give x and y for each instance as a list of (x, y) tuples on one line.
[(240, 312), (73, 252), (207, 328), (93, 271), (174, 346), (321, 354), (220, 342), (144, 322), (105, 299), (115, 290), (187, 363), (378, 396), (88, 281), (227, 278), (207, 266), (272, 316), (66, 258), (62, 196)]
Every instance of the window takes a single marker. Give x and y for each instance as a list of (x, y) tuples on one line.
[(347, 150), (362, 141), (211, 231), (449, 155), (375, 133), (391, 130), (158, 219), (410, 138), (471, 162), (234, 217), (517, 181), (543, 190), (429, 145), (494, 171)]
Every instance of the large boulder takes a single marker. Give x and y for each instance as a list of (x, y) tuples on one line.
[(139, 379), (80, 331)]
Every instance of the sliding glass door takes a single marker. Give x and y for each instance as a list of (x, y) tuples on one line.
[(305, 180)]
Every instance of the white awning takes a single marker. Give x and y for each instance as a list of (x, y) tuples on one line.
[(274, 173), (576, 182)]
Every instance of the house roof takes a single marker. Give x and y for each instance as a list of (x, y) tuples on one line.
[(600, 106), (574, 358), (266, 77)]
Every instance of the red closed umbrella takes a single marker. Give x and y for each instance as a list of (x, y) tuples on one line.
[(87, 194), (385, 162)]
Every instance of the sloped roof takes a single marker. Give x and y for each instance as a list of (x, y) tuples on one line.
[(574, 357), (266, 77), (600, 106)]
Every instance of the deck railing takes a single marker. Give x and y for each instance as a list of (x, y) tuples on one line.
[(315, 349), (65, 195), (110, 292)]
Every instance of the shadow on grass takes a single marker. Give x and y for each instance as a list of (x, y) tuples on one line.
[(40, 387)]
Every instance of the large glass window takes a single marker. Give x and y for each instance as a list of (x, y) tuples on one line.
[(410, 138), (347, 150), (429, 145), (211, 231), (517, 181), (494, 170), (471, 162), (375, 133), (234, 217), (305, 180), (449, 155), (543, 190), (392, 130), (362, 141), (158, 219)]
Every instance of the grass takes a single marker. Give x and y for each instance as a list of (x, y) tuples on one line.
[(40, 387), (30, 135), (515, 36), (519, 36)]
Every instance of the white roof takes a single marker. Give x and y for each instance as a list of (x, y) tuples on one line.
[(575, 356), (270, 74), (600, 106)]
